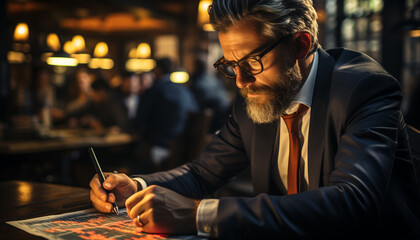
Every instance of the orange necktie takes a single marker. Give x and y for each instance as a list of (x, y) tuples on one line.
[(293, 173)]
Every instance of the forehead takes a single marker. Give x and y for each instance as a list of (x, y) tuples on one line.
[(241, 39)]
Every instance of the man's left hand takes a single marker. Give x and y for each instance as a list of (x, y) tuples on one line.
[(161, 210)]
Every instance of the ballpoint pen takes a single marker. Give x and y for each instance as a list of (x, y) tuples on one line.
[(101, 175)]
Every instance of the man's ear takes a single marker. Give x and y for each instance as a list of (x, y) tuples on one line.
[(303, 43)]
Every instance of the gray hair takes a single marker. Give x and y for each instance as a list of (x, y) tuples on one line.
[(278, 17)]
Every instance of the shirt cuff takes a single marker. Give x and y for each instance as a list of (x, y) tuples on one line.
[(143, 183), (206, 218)]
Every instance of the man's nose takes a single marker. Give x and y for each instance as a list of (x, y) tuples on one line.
[(242, 78)]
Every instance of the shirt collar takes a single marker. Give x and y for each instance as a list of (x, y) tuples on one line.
[(305, 94)]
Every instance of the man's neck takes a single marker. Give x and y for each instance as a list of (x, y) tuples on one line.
[(305, 66)]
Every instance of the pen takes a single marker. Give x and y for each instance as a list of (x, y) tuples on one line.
[(100, 174)]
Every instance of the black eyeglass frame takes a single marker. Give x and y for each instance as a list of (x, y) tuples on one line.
[(258, 57)]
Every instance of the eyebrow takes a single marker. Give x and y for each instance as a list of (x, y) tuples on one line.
[(253, 53)]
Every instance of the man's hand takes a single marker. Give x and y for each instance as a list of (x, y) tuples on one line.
[(161, 210), (121, 185)]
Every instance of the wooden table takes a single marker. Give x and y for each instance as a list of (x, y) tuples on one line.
[(60, 140), (22, 200), (53, 158)]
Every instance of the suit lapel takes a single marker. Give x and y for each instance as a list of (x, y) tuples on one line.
[(318, 118), (262, 143)]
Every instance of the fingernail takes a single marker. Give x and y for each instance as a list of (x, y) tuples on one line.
[(107, 185)]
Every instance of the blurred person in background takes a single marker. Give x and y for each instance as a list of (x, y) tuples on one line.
[(95, 106), (80, 90), (130, 91), (164, 109), (45, 98), (133, 86), (146, 81), (44, 89), (210, 93), (78, 98), (103, 113)]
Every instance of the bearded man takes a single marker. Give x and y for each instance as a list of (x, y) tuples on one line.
[(322, 132)]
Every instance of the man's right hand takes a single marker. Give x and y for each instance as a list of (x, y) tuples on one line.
[(121, 185)]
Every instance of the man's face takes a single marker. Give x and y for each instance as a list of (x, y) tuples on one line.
[(271, 92)]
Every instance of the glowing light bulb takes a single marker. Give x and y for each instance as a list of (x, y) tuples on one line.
[(143, 50), (53, 42), (21, 32), (78, 42), (179, 77), (101, 49)]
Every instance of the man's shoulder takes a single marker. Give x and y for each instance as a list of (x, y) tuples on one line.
[(355, 63), (352, 68), (355, 75)]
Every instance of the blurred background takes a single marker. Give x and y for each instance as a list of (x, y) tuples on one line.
[(78, 73)]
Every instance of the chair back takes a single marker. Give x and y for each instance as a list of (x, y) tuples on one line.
[(414, 141), (194, 138)]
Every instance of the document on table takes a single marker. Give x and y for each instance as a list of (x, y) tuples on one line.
[(89, 224)]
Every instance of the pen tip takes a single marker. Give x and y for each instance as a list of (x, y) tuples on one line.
[(116, 210)]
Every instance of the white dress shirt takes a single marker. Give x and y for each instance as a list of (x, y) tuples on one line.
[(132, 102)]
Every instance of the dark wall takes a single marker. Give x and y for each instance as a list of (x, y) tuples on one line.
[(4, 89), (392, 38)]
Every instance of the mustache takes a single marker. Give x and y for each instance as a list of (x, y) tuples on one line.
[(255, 90)]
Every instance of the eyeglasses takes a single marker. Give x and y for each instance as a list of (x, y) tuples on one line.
[(250, 65)]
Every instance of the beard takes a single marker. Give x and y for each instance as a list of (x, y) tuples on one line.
[(276, 98)]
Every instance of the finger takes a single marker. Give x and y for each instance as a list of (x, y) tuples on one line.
[(95, 185), (148, 223), (114, 180), (137, 221), (111, 197), (98, 204), (133, 200), (139, 208), (146, 203), (145, 217), (111, 181)]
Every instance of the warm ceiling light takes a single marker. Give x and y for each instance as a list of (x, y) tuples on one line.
[(79, 43), (203, 15), (179, 77), (107, 63), (101, 49), (15, 57), (53, 42), (102, 63), (82, 58), (21, 32), (62, 59), (143, 50), (140, 65), (69, 47)]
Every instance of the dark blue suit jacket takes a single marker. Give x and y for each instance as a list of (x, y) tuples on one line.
[(362, 180)]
